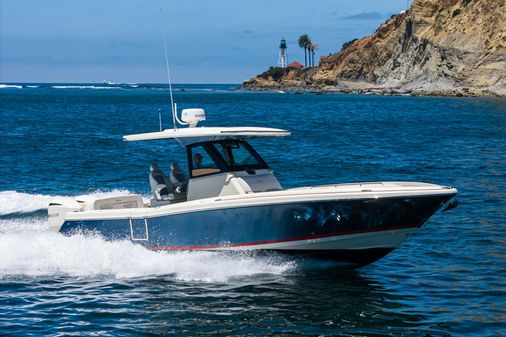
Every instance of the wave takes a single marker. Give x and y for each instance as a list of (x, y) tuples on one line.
[(125, 86), (84, 87), (10, 86), (197, 88), (13, 202)]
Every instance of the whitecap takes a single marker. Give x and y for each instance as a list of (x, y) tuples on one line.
[(10, 86), (83, 87)]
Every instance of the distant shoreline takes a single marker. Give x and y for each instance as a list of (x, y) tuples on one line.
[(457, 92)]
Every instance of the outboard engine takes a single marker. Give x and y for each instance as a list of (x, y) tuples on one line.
[(58, 209)]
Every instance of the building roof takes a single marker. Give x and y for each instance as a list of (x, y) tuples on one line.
[(296, 64)]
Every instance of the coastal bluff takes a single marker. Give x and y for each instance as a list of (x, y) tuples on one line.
[(437, 47)]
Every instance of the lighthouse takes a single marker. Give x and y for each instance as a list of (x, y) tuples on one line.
[(282, 62)]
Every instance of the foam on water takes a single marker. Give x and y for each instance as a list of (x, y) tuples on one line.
[(84, 87), (29, 249), (9, 86), (50, 254)]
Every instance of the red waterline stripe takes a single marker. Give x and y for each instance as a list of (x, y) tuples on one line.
[(309, 237)]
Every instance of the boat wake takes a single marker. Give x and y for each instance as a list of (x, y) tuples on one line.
[(29, 249)]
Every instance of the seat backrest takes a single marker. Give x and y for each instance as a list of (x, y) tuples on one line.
[(161, 186), (177, 175), (178, 178), (158, 177)]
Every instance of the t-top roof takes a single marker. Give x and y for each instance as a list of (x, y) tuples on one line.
[(201, 134)]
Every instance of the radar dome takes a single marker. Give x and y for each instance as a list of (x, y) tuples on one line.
[(193, 116)]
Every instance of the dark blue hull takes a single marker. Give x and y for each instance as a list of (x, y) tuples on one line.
[(269, 225)]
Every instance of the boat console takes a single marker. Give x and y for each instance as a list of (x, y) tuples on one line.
[(227, 167), (220, 161)]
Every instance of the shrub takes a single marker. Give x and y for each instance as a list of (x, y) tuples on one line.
[(298, 73), (456, 12), (347, 44), (275, 72)]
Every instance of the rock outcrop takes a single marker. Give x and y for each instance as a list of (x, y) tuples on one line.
[(438, 47)]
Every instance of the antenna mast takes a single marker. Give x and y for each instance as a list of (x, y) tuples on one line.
[(168, 74)]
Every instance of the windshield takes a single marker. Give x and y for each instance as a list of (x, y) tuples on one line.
[(223, 156)]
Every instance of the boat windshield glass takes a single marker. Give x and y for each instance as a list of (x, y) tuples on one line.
[(223, 156)]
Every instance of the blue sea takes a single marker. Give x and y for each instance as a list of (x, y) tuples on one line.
[(64, 140)]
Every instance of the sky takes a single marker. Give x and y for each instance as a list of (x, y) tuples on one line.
[(208, 41)]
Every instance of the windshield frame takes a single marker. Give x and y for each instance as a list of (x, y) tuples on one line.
[(219, 160)]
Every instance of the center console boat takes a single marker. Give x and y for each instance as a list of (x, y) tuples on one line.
[(230, 200)]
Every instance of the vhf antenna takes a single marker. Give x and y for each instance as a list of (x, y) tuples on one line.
[(172, 105)]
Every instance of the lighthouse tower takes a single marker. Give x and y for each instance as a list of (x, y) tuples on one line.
[(282, 62)]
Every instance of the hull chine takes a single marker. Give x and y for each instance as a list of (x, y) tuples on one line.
[(353, 249)]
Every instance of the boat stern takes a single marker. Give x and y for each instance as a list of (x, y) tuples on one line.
[(57, 211)]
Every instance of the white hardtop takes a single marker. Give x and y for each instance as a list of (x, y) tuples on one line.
[(201, 134)]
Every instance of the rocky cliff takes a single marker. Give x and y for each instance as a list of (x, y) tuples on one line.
[(441, 47)]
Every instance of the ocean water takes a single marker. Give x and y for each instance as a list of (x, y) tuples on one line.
[(449, 279)]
